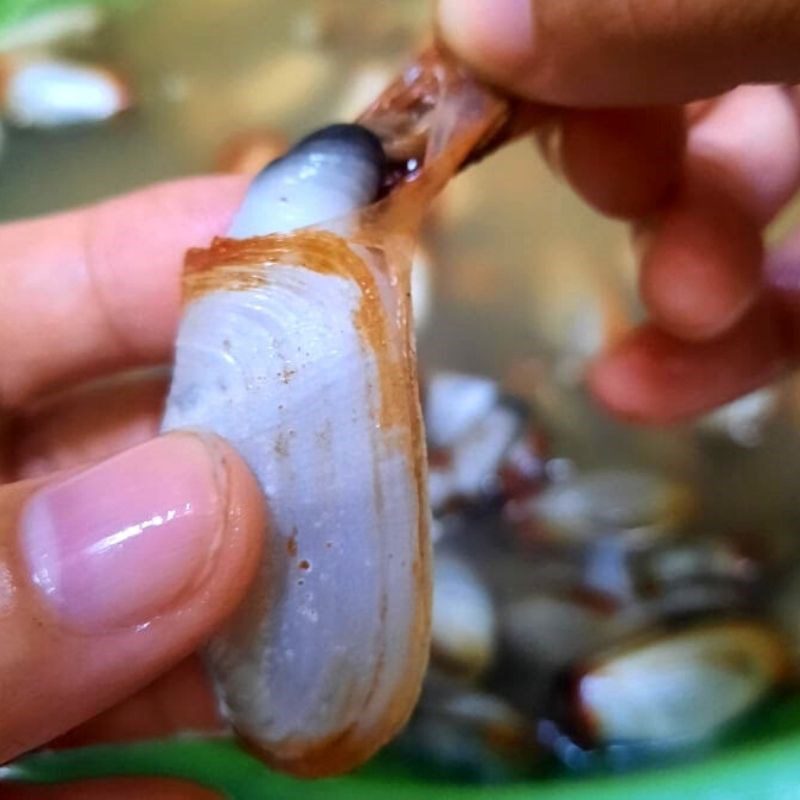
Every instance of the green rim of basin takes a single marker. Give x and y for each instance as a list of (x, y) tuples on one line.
[(763, 763)]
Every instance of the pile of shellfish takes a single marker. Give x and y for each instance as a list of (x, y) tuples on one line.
[(579, 617)]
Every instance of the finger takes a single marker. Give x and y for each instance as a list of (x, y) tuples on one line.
[(110, 789), (623, 162), (88, 423), (703, 254), (752, 135), (702, 264), (179, 702), (701, 258), (114, 574), (98, 289), (625, 52), (655, 378)]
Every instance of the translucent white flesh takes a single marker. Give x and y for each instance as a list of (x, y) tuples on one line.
[(328, 634), (313, 184)]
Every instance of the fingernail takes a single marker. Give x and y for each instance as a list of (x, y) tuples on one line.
[(120, 543), (496, 35)]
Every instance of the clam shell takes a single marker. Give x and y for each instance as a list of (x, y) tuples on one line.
[(642, 505), (45, 92), (296, 347), (464, 625), (296, 350), (681, 688), (454, 403)]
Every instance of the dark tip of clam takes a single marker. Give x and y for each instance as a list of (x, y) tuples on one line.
[(346, 135), (342, 138), (295, 190)]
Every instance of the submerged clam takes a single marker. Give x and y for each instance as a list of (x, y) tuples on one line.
[(681, 688), (484, 451), (48, 92), (296, 346), (454, 403), (641, 505), (544, 633), (464, 626), (469, 733)]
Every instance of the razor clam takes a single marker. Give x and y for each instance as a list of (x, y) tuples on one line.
[(470, 471), (469, 734), (48, 92), (642, 506), (454, 403), (682, 688), (295, 345), (484, 448), (463, 626)]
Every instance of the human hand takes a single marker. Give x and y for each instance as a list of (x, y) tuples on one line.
[(699, 179), (110, 575)]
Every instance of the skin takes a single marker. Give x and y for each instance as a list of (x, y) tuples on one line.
[(653, 125), (79, 304)]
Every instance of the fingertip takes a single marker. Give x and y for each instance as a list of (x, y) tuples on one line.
[(120, 571), (701, 265), (654, 378), (753, 135), (494, 36), (622, 52), (621, 382)]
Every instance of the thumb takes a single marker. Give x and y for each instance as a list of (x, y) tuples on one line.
[(625, 52), (110, 575)]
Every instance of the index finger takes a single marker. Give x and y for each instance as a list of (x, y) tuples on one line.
[(98, 289), (596, 53)]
